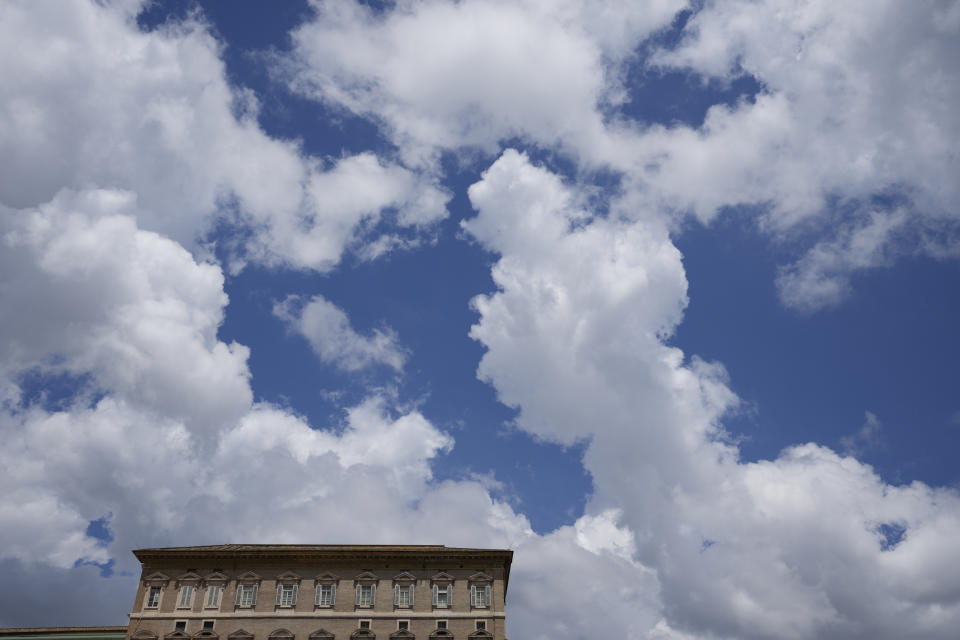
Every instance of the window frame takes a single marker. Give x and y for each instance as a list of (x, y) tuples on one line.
[(209, 591), (180, 625), (447, 590), (149, 593), (283, 590), (360, 600), (244, 588), (186, 591), (407, 589), (475, 598), (318, 600)]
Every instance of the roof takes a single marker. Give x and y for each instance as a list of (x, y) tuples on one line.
[(320, 549), (330, 552)]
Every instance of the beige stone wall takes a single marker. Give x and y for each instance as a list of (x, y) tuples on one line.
[(304, 618)]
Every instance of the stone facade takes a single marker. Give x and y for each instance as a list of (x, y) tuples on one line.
[(320, 592)]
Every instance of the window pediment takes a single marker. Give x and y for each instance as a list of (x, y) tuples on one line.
[(480, 633), (480, 577), (321, 634), (188, 578), (366, 577), (405, 578), (144, 634), (176, 635), (442, 578), (362, 634), (326, 578), (441, 633), (249, 578), (288, 577), (206, 634), (402, 633), (281, 634), (215, 578), (157, 579), (240, 634)]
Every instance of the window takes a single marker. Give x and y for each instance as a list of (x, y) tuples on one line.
[(326, 595), (364, 624), (153, 598), (366, 595), (403, 595), (180, 625), (246, 595), (441, 595), (208, 624), (403, 625), (213, 595), (441, 624), (287, 595), (479, 595), (186, 596), (481, 625)]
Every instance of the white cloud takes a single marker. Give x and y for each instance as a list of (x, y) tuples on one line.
[(123, 143), (86, 291), (327, 328), (90, 101), (788, 548), (443, 75), (822, 276), (163, 436), (866, 437), (856, 102)]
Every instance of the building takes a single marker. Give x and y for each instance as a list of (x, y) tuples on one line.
[(320, 592), (64, 633)]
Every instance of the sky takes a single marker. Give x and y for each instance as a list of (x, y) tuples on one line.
[(661, 295)]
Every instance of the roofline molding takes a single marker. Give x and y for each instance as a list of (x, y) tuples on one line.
[(328, 552)]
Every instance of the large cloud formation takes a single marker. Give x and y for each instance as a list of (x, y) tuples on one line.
[(124, 148), (798, 547)]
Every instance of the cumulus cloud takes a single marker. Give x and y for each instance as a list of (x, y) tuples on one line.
[(796, 547), (170, 445), (123, 147), (442, 75), (327, 329), (856, 103), (113, 107), (87, 291)]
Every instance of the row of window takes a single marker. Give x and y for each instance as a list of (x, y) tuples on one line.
[(365, 595), (402, 625)]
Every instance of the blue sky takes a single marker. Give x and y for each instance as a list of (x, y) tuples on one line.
[(661, 296)]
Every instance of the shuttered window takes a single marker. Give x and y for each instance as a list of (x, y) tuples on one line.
[(403, 595), (326, 595), (287, 595), (246, 595), (366, 595), (441, 596), (479, 595), (186, 596), (213, 595)]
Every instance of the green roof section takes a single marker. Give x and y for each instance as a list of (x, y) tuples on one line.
[(63, 633)]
